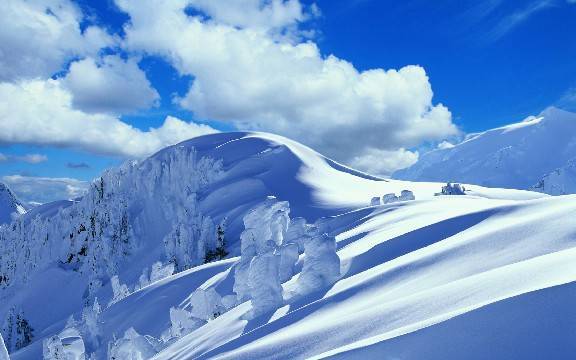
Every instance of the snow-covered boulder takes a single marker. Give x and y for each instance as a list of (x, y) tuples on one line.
[(3, 351), (133, 346), (321, 264), (375, 201), (389, 198), (406, 195), (119, 291)]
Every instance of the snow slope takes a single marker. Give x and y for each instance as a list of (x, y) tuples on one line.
[(10, 206), (410, 272), (516, 156)]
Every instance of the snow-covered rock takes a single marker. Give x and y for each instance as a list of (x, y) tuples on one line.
[(516, 156)]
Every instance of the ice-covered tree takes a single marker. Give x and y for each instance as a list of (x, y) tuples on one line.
[(17, 330), (3, 351), (119, 291), (133, 346)]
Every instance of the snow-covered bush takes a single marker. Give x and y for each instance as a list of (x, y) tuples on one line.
[(67, 345), (91, 324), (206, 304), (389, 198), (158, 272), (453, 189), (120, 291), (375, 201), (264, 283), (321, 264), (16, 330), (182, 323), (3, 351), (267, 257), (288, 258), (133, 346), (406, 195)]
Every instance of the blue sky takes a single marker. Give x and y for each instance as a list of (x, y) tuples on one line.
[(72, 110)]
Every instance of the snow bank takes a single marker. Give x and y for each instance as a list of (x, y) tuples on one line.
[(3, 351)]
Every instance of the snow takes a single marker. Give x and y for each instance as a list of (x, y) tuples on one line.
[(313, 271), (3, 352), (10, 206), (516, 156)]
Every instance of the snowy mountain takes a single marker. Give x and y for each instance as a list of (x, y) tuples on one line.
[(10, 206), (516, 156), (250, 245)]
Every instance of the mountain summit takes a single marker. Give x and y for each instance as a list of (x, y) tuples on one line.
[(10, 206), (515, 156)]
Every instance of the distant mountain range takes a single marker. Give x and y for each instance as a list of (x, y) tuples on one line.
[(538, 154)]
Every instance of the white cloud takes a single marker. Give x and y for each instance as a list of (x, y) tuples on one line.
[(251, 79), (28, 158), (510, 22), (384, 162), (32, 189), (37, 37), (41, 112), (265, 15), (109, 85)]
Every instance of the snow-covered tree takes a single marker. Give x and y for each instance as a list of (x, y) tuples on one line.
[(120, 291), (321, 264), (16, 330), (133, 346), (3, 351)]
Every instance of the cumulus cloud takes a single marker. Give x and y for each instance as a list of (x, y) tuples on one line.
[(384, 162), (256, 81), (28, 158), (110, 84), (41, 190), (41, 112), (260, 14), (37, 37)]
